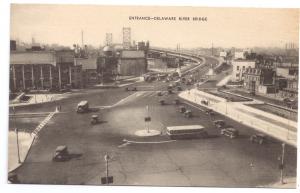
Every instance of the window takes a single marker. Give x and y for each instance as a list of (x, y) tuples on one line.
[(243, 67), (238, 67)]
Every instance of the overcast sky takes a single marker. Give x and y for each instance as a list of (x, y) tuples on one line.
[(225, 27)]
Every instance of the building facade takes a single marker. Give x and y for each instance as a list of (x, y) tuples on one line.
[(259, 80), (41, 70), (132, 63), (239, 67)]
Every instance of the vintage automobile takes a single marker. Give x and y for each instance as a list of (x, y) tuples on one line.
[(229, 131), (258, 138), (188, 114), (130, 89), (61, 154), (95, 119), (82, 107), (182, 109), (219, 123), (210, 112), (159, 93)]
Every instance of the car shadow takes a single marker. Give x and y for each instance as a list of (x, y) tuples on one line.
[(93, 109), (74, 155), (213, 136)]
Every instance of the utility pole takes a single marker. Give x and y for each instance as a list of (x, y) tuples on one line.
[(147, 107), (106, 157), (282, 163), (17, 133), (82, 38), (212, 49)]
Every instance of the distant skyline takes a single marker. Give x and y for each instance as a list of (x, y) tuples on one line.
[(225, 27)]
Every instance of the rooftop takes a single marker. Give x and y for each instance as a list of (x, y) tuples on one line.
[(132, 54)]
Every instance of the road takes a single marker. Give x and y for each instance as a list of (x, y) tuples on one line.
[(201, 162)]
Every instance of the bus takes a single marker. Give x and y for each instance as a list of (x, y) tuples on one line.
[(186, 132)]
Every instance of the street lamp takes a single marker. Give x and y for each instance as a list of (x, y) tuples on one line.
[(17, 133), (281, 165)]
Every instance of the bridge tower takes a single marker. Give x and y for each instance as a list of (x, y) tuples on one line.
[(126, 38)]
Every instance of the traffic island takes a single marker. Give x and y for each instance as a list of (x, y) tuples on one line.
[(147, 133)]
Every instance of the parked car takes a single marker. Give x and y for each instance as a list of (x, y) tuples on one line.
[(219, 123), (210, 112), (229, 131), (61, 154), (258, 138), (188, 114), (182, 109)]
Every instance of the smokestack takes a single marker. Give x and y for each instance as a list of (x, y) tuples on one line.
[(82, 38)]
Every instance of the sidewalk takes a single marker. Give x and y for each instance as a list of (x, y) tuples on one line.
[(39, 98), (273, 125), (25, 141)]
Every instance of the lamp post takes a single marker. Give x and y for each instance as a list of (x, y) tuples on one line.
[(282, 163), (17, 133), (106, 157)]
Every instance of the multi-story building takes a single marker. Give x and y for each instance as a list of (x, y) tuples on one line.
[(287, 73), (261, 80), (239, 67)]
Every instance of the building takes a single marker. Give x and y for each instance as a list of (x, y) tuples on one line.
[(156, 63), (287, 74), (239, 55), (132, 63), (42, 70), (239, 67), (259, 80), (88, 70), (223, 54)]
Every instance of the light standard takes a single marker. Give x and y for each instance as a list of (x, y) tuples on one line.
[(107, 158), (281, 166), (17, 133)]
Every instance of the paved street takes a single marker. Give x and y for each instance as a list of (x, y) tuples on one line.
[(215, 161)]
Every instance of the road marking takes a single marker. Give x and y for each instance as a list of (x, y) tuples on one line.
[(42, 124), (127, 142)]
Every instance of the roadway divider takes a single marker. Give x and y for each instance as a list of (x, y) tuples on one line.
[(275, 126)]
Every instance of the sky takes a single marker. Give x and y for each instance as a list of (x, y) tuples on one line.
[(225, 27)]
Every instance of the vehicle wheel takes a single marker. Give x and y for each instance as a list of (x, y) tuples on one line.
[(260, 141), (231, 136)]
